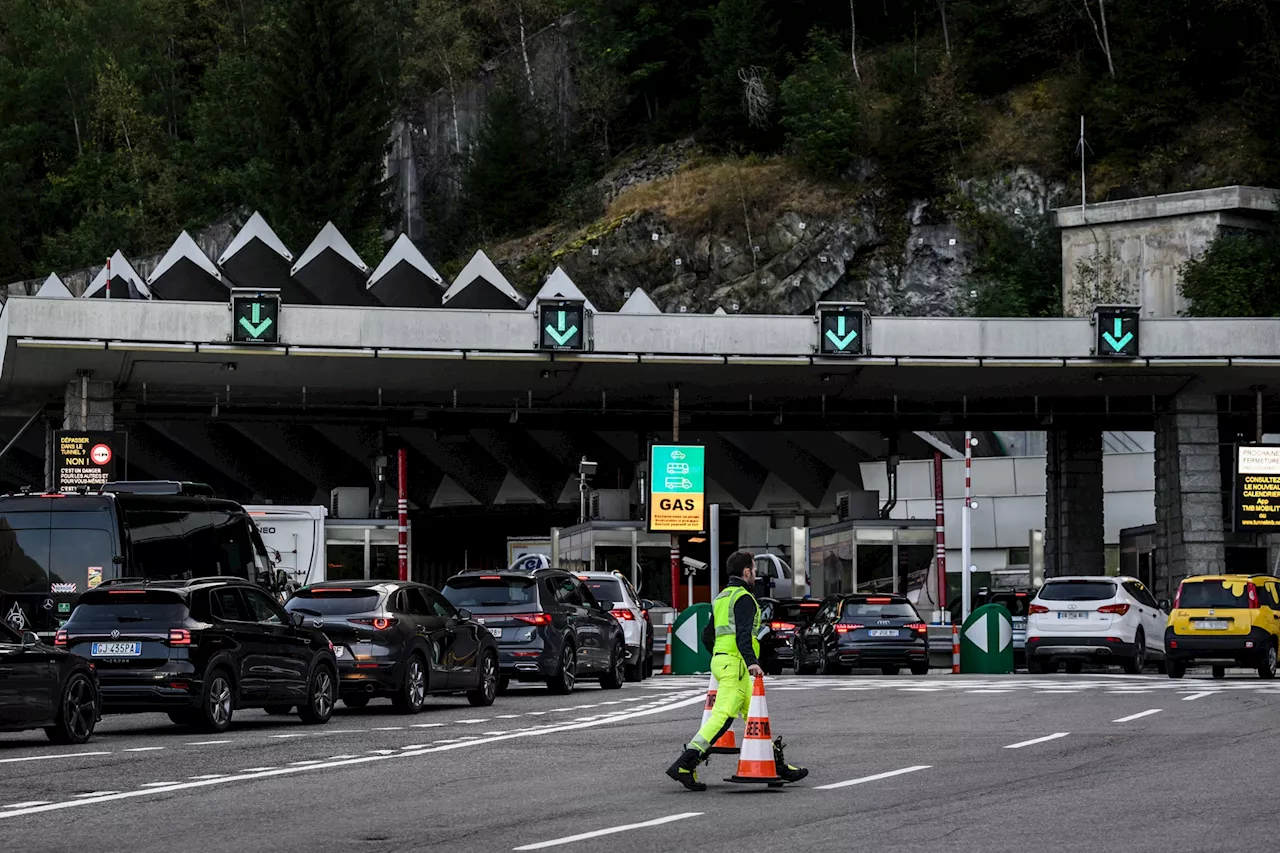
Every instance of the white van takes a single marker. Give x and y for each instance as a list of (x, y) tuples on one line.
[(294, 536)]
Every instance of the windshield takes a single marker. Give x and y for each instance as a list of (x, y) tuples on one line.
[(605, 590), (1015, 603), (486, 592), (1199, 594), (129, 609), (1077, 591), (796, 612), (332, 602), (869, 610)]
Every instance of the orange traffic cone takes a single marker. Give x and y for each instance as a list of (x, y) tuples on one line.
[(666, 658), (726, 744), (755, 762)]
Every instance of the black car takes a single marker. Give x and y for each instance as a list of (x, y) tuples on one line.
[(780, 618), (200, 649), (44, 687), (862, 631), (400, 640), (548, 625)]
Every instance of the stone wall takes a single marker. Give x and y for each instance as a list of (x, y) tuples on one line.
[(1189, 530), (1074, 535)]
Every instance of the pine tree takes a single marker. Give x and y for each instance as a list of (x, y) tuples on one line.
[(326, 114)]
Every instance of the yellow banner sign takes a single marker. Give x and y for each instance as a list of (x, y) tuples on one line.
[(676, 512)]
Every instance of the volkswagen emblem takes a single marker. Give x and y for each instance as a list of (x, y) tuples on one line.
[(115, 634)]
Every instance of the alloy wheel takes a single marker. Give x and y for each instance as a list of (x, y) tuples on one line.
[(417, 683), (619, 665), (322, 699), (80, 710), (220, 701), (569, 668), (489, 677)]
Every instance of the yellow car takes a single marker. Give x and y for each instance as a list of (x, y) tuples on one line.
[(1224, 620)]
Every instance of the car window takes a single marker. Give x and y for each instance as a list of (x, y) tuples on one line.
[(1014, 603), (766, 611), (488, 592), (878, 610), (227, 604), (584, 596), (8, 635), (606, 590), (1077, 591), (415, 603), (158, 547), (439, 605), (332, 601), (263, 608), (1212, 593), (564, 591), (765, 568), (1140, 593), (1271, 593)]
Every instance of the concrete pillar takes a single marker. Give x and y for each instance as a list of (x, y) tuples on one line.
[(89, 404), (1189, 531), (1074, 538)]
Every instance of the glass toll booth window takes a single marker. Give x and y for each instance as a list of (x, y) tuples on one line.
[(362, 549), (871, 556)]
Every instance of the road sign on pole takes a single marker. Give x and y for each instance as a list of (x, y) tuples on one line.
[(844, 329), (255, 317), (1116, 328), (562, 325), (986, 641), (677, 488)]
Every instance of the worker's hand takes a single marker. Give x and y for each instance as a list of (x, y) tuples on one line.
[(755, 670)]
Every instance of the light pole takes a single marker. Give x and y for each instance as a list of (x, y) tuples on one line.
[(966, 529), (586, 470)]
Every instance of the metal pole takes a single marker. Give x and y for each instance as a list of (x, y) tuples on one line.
[(108, 296), (675, 538), (966, 580), (402, 507), (940, 534), (715, 551), (1257, 406)]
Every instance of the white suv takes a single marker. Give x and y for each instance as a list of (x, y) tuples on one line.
[(615, 593), (1098, 619)]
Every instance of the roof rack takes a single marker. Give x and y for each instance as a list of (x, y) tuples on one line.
[(158, 487), (118, 581)]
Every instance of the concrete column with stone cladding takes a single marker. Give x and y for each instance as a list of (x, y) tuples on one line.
[(1189, 536), (89, 404), (1074, 538)]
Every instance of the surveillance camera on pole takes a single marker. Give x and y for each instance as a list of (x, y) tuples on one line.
[(586, 470)]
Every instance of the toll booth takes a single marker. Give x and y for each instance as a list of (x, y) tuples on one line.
[(617, 546), (875, 555), (363, 548), (1137, 553)]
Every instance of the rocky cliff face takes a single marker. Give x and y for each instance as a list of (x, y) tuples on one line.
[(759, 238)]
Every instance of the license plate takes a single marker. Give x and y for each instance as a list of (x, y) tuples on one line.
[(882, 633), (1071, 614), (116, 650), (497, 632), (1212, 624)]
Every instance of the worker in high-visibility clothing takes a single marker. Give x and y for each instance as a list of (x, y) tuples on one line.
[(733, 637)]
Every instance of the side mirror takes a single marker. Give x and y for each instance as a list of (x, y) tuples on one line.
[(646, 604), (464, 614), (1166, 605), (29, 640), (282, 579), (299, 619)]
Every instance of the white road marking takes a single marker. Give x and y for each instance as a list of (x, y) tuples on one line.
[(384, 755), (213, 742), (499, 717), (382, 751), (26, 805), (144, 749), (614, 702), (495, 733), (1197, 696), (96, 794), (1138, 715), (907, 689), (438, 725), (158, 784), (48, 757), (339, 757), (874, 778), (988, 691), (470, 722), (536, 713), (611, 831), (390, 728), (1034, 741), (281, 737)]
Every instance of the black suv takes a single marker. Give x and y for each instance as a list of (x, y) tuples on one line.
[(44, 687), (548, 625), (401, 640), (863, 630), (200, 649)]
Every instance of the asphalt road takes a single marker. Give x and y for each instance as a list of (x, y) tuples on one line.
[(955, 763)]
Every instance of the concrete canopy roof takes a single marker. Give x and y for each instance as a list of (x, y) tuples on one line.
[(482, 285), (53, 288), (122, 271), (406, 279), (560, 286), (332, 272), (185, 272), (639, 303)]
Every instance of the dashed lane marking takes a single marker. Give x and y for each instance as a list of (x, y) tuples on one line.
[(214, 742), (50, 757), (876, 778), (390, 728), (283, 737), (26, 805), (1197, 696), (340, 757), (1138, 715), (1035, 741), (568, 839), (144, 749)]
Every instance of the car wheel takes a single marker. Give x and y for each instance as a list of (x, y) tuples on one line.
[(636, 672), (1034, 667), (1135, 664), (562, 683), (822, 666), (412, 694), (357, 700), (216, 704), (616, 676), (504, 684), (1175, 668), (797, 662), (321, 697), (890, 670), (920, 669), (279, 710), (1073, 667), (1050, 666), (487, 686), (1219, 672), (1267, 669), (1161, 667), (77, 713)]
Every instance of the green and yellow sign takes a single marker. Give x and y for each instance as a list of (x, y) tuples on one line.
[(677, 488)]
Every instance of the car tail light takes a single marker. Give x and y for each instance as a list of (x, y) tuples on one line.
[(533, 618), (1118, 609), (178, 685), (127, 592), (60, 638), (329, 589), (1177, 598), (919, 627), (879, 601), (1253, 597), (1114, 640), (1037, 608), (1173, 644), (624, 615), (846, 627), (782, 626), (379, 623), (491, 577), (179, 637)]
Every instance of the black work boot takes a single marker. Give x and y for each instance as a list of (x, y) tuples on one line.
[(685, 770), (785, 770)]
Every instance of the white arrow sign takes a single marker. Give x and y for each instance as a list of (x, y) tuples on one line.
[(688, 633), (1006, 633), (977, 632)]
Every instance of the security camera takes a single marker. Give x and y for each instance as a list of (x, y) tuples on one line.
[(694, 565), (587, 469)]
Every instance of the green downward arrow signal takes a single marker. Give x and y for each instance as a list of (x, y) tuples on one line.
[(256, 328), (561, 335), (1113, 339), (839, 338)]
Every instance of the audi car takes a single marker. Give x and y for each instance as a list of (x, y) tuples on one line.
[(864, 631), (402, 641)]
